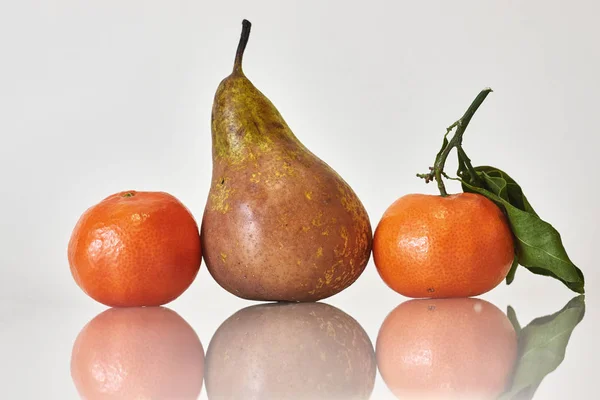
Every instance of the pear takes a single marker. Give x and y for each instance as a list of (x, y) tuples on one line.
[(279, 223)]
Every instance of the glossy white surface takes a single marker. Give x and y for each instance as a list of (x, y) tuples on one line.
[(37, 341), (98, 97)]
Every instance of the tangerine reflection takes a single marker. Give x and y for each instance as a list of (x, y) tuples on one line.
[(461, 348), (290, 351), (138, 353)]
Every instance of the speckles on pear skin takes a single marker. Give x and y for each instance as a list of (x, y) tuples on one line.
[(339, 250), (282, 173), (352, 266), (349, 254), (252, 158), (352, 204), (331, 271), (219, 194), (223, 257), (255, 178), (327, 279), (262, 142), (288, 168), (283, 221), (318, 220), (308, 195)]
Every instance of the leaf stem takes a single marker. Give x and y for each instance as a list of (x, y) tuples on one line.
[(474, 177), (437, 172)]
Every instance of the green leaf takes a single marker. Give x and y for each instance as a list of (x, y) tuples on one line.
[(463, 170), (497, 185), (542, 347), (538, 245), (513, 270), (513, 190)]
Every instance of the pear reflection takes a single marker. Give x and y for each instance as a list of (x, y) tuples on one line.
[(138, 353), (290, 351), (446, 349)]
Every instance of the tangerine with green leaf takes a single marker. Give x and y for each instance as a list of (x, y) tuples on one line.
[(465, 244)]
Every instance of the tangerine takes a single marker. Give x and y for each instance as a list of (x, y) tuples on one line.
[(454, 246), (446, 349), (138, 353), (135, 249)]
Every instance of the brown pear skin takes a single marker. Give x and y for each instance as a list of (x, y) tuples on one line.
[(279, 223), (290, 351)]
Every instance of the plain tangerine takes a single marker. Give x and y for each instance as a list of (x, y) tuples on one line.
[(138, 353), (432, 246), (135, 249), (446, 349)]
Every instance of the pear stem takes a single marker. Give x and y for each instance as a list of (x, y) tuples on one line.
[(437, 171), (237, 66)]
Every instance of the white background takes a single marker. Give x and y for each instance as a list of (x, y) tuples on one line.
[(102, 96)]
